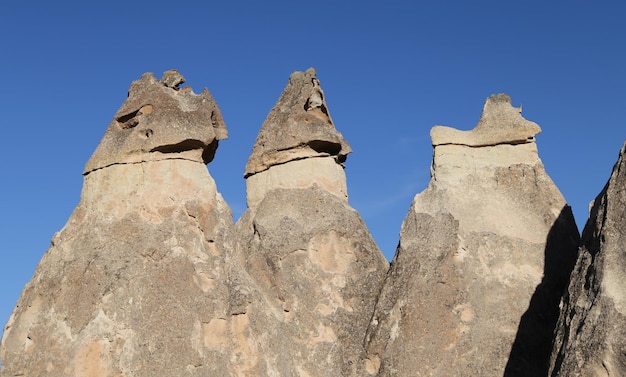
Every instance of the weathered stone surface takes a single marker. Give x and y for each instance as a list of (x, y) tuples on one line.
[(511, 127), (308, 251), (150, 276), (142, 280), (158, 119), (299, 126), (317, 265), (591, 334), (484, 255), (324, 172)]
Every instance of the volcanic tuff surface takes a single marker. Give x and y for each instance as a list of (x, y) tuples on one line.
[(306, 248), (474, 286), (591, 336), (150, 276), (141, 281)]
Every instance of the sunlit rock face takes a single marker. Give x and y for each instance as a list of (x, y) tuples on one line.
[(308, 251), (298, 144), (160, 120), (591, 334), (484, 256), (141, 280)]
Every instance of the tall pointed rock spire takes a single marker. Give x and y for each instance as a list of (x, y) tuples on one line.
[(309, 252)]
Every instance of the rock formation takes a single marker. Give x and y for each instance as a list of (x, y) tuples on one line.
[(309, 252), (297, 129), (141, 280), (484, 256), (591, 334), (150, 277)]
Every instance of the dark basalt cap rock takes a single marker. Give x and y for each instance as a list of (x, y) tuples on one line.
[(299, 126), (159, 120)]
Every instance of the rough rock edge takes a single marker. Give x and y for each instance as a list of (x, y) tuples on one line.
[(590, 338), (298, 126), (500, 123), (140, 132)]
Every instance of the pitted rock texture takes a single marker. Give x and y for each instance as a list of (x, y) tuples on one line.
[(484, 256), (316, 263), (299, 126), (591, 334), (307, 250), (142, 280), (160, 121)]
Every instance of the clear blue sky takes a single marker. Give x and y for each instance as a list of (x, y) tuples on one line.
[(390, 70)]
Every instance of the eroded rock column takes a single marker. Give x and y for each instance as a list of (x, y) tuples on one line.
[(141, 280), (484, 255), (305, 247)]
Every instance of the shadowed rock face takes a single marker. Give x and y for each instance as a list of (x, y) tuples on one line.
[(141, 280), (158, 121), (591, 334), (310, 254), (473, 289)]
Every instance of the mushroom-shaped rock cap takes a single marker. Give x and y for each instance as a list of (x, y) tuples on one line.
[(500, 123), (299, 126), (160, 121)]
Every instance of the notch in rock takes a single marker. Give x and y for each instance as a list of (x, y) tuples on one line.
[(131, 120)]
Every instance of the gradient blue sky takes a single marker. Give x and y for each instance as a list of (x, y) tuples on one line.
[(390, 70)]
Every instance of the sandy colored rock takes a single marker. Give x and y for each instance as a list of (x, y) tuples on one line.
[(307, 250), (299, 126), (320, 171), (591, 334), (315, 261), (158, 119), (500, 123), (484, 255), (142, 280)]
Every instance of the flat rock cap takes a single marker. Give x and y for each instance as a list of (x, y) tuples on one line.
[(500, 123)]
